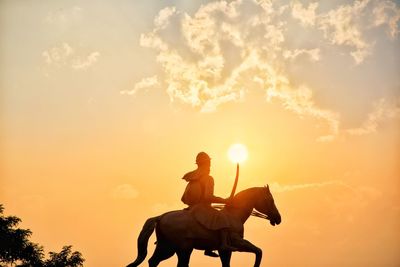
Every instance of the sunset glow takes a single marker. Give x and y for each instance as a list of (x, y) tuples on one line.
[(104, 106), (237, 153)]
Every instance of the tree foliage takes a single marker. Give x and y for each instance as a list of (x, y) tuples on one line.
[(17, 250)]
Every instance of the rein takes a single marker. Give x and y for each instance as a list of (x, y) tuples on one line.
[(253, 212)]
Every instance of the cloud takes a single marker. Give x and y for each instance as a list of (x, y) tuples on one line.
[(82, 64), (162, 19), (64, 55), (387, 12), (63, 16), (336, 193), (144, 83), (347, 24), (382, 110), (124, 191), (307, 16), (277, 187), (198, 71), (338, 204), (202, 32), (314, 54), (58, 55), (300, 101), (203, 83), (343, 26)]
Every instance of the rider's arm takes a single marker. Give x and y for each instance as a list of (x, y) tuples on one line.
[(209, 193)]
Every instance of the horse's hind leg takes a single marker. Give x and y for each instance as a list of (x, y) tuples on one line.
[(162, 252), (184, 257)]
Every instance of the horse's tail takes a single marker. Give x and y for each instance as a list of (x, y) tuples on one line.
[(143, 239)]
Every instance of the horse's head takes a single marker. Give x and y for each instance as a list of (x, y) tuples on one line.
[(266, 205)]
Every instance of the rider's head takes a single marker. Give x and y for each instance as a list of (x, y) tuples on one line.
[(203, 160)]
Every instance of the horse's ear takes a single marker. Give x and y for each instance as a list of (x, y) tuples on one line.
[(267, 187)]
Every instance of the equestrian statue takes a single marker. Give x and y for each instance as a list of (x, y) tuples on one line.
[(203, 226)]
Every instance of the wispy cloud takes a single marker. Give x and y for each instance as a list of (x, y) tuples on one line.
[(338, 202), (197, 71), (84, 63), (64, 55), (124, 191), (144, 83), (58, 55), (342, 26), (363, 193), (382, 110), (347, 24), (387, 12), (314, 54), (306, 15), (162, 19), (64, 15), (277, 187), (202, 83)]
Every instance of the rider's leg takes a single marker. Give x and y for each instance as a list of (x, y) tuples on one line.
[(225, 240), (224, 243), (210, 253)]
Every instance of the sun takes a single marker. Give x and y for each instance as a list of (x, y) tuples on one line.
[(237, 153)]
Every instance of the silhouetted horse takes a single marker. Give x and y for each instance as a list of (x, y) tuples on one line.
[(178, 232)]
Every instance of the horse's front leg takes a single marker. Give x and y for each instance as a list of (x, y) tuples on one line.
[(225, 256), (245, 246)]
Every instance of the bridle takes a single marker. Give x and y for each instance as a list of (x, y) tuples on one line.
[(259, 214)]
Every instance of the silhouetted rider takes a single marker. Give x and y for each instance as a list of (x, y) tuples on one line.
[(199, 195)]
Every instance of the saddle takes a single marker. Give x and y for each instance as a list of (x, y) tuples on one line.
[(203, 218)]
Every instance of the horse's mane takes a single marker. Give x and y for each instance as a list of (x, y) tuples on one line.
[(246, 194)]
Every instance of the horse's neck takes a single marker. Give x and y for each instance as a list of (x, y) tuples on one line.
[(241, 212), (243, 204)]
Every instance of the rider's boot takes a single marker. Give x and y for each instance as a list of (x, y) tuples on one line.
[(210, 253)]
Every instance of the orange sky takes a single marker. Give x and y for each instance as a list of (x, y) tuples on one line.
[(106, 108)]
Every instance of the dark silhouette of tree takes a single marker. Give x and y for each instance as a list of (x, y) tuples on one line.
[(17, 250), (64, 258)]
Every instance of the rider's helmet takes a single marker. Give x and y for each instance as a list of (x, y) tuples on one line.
[(202, 157)]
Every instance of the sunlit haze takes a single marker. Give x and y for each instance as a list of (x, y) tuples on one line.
[(237, 153), (104, 106)]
